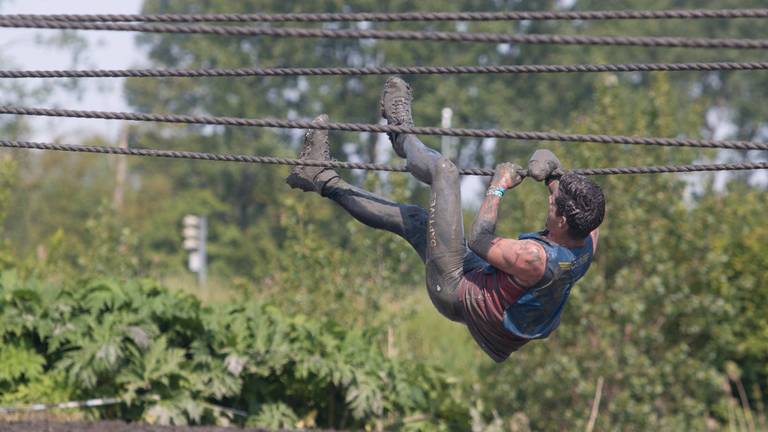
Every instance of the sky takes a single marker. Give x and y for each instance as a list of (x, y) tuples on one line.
[(107, 50)]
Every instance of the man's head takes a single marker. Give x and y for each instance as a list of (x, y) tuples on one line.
[(577, 208)]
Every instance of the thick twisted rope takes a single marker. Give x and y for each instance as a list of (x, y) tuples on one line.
[(409, 16), (537, 39), (174, 154), (661, 169), (362, 127), (384, 70)]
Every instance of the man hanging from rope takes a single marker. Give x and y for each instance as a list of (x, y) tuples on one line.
[(506, 291)]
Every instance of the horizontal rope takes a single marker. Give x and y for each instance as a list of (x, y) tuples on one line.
[(375, 128), (662, 169), (383, 70), (409, 16), (643, 41), (174, 154)]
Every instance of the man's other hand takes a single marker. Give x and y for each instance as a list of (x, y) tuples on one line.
[(544, 166)]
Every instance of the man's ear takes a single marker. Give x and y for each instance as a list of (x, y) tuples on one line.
[(562, 222)]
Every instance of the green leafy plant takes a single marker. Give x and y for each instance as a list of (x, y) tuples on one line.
[(173, 361)]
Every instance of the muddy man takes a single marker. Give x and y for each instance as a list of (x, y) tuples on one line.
[(506, 291)]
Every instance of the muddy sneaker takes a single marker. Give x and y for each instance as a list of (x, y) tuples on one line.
[(307, 178), (395, 105)]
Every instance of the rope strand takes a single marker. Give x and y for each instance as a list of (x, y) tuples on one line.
[(374, 128), (384, 70), (174, 154), (536, 39), (407, 16)]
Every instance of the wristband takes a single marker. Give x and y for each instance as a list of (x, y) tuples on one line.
[(495, 190)]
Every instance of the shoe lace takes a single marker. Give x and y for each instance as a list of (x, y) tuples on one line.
[(400, 109)]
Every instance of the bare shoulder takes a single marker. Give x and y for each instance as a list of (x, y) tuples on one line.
[(526, 260)]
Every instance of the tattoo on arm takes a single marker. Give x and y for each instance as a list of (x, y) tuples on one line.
[(533, 256), (483, 234), (528, 264)]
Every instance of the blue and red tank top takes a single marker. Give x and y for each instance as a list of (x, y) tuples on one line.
[(502, 316)]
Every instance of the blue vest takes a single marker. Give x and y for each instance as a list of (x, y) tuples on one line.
[(537, 312)]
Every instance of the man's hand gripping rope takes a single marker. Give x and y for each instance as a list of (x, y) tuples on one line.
[(506, 176), (542, 166)]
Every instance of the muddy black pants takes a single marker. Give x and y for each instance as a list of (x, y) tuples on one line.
[(436, 233)]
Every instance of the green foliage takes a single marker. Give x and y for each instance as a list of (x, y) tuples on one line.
[(274, 416), (18, 363), (171, 358)]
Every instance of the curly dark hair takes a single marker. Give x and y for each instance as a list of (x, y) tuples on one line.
[(582, 203)]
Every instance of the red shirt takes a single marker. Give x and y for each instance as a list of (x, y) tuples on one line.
[(485, 294)]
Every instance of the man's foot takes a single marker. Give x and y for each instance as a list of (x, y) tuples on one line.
[(395, 105), (307, 178)]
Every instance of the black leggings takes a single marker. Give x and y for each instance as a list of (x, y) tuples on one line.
[(437, 234)]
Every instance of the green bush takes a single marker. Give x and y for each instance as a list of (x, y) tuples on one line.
[(174, 360)]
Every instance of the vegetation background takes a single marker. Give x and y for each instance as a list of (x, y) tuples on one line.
[(313, 320)]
